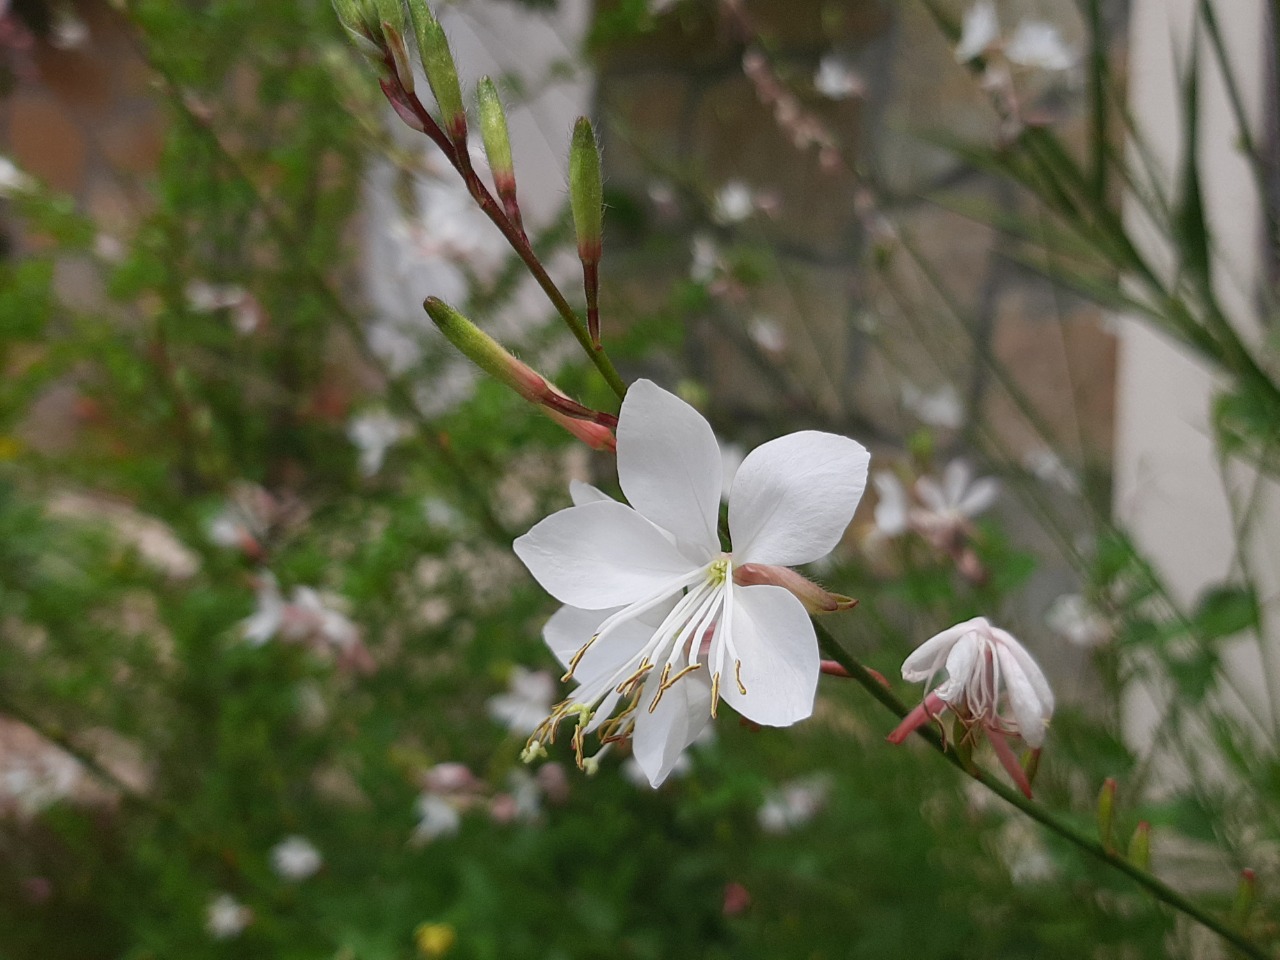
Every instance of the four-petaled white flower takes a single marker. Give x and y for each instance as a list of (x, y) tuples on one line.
[(993, 685), (649, 592)]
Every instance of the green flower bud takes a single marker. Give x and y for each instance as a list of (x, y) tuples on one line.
[(1106, 811), (586, 191), (485, 352), (1140, 846), (442, 74), (493, 131)]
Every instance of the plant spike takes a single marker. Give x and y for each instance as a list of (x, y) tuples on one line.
[(442, 73), (497, 147)]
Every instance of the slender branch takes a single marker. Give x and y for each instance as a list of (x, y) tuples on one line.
[(1157, 888), (512, 231)]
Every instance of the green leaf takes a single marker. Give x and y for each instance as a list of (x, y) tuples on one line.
[(1225, 611)]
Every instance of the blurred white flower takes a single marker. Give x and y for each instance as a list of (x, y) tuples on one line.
[(316, 613), (34, 780), (947, 507), (440, 513), (1073, 618), (12, 180), (398, 350), (706, 258), (891, 504), (265, 621), (793, 804), (448, 790), (836, 80), (1039, 45), (373, 433), (308, 617), (67, 31), (295, 858), (205, 297), (1045, 465), (766, 333), (528, 699), (734, 202), (226, 917), (940, 407), (979, 31)]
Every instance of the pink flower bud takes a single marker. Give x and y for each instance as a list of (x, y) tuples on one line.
[(816, 600)]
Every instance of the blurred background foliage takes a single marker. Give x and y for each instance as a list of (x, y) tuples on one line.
[(183, 442)]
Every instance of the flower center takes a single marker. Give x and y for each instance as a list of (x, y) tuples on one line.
[(695, 634)]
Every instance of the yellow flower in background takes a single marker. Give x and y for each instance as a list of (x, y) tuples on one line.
[(434, 939)]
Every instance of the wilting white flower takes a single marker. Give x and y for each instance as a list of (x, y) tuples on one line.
[(946, 508), (226, 917), (295, 858), (979, 31), (374, 433), (891, 504), (527, 701), (734, 202), (1074, 619), (793, 804), (836, 80), (940, 407), (1039, 45), (650, 596), (992, 684)]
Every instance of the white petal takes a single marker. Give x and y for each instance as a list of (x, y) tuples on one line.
[(928, 658), (793, 497), (980, 30), (599, 555), (981, 495), (1027, 709), (962, 662), (581, 493), (669, 464), (1029, 666), (779, 652), (662, 736), (930, 494), (955, 481), (570, 628), (891, 508)]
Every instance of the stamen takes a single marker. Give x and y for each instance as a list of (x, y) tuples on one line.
[(715, 693), (666, 684), (737, 675), (577, 658)]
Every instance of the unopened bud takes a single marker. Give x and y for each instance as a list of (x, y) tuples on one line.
[(362, 26), (1246, 893), (586, 191), (485, 352), (442, 74), (816, 599), (1106, 812), (394, 36), (493, 131), (1140, 846)]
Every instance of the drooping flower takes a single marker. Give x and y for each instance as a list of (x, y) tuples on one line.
[(992, 685), (654, 628), (295, 858)]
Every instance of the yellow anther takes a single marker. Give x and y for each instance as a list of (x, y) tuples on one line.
[(737, 674), (577, 658), (715, 693)]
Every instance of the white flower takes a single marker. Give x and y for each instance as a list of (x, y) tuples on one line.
[(734, 202), (12, 180), (947, 507), (793, 804), (891, 504), (265, 622), (980, 30), (1044, 464), (527, 701), (373, 433), (986, 669), (1074, 619), (649, 594), (295, 858), (437, 817), (226, 917), (836, 80), (306, 617), (940, 407), (1037, 44), (706, 258)]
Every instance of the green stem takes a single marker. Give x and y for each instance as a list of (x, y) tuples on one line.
[(1157, 888)]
